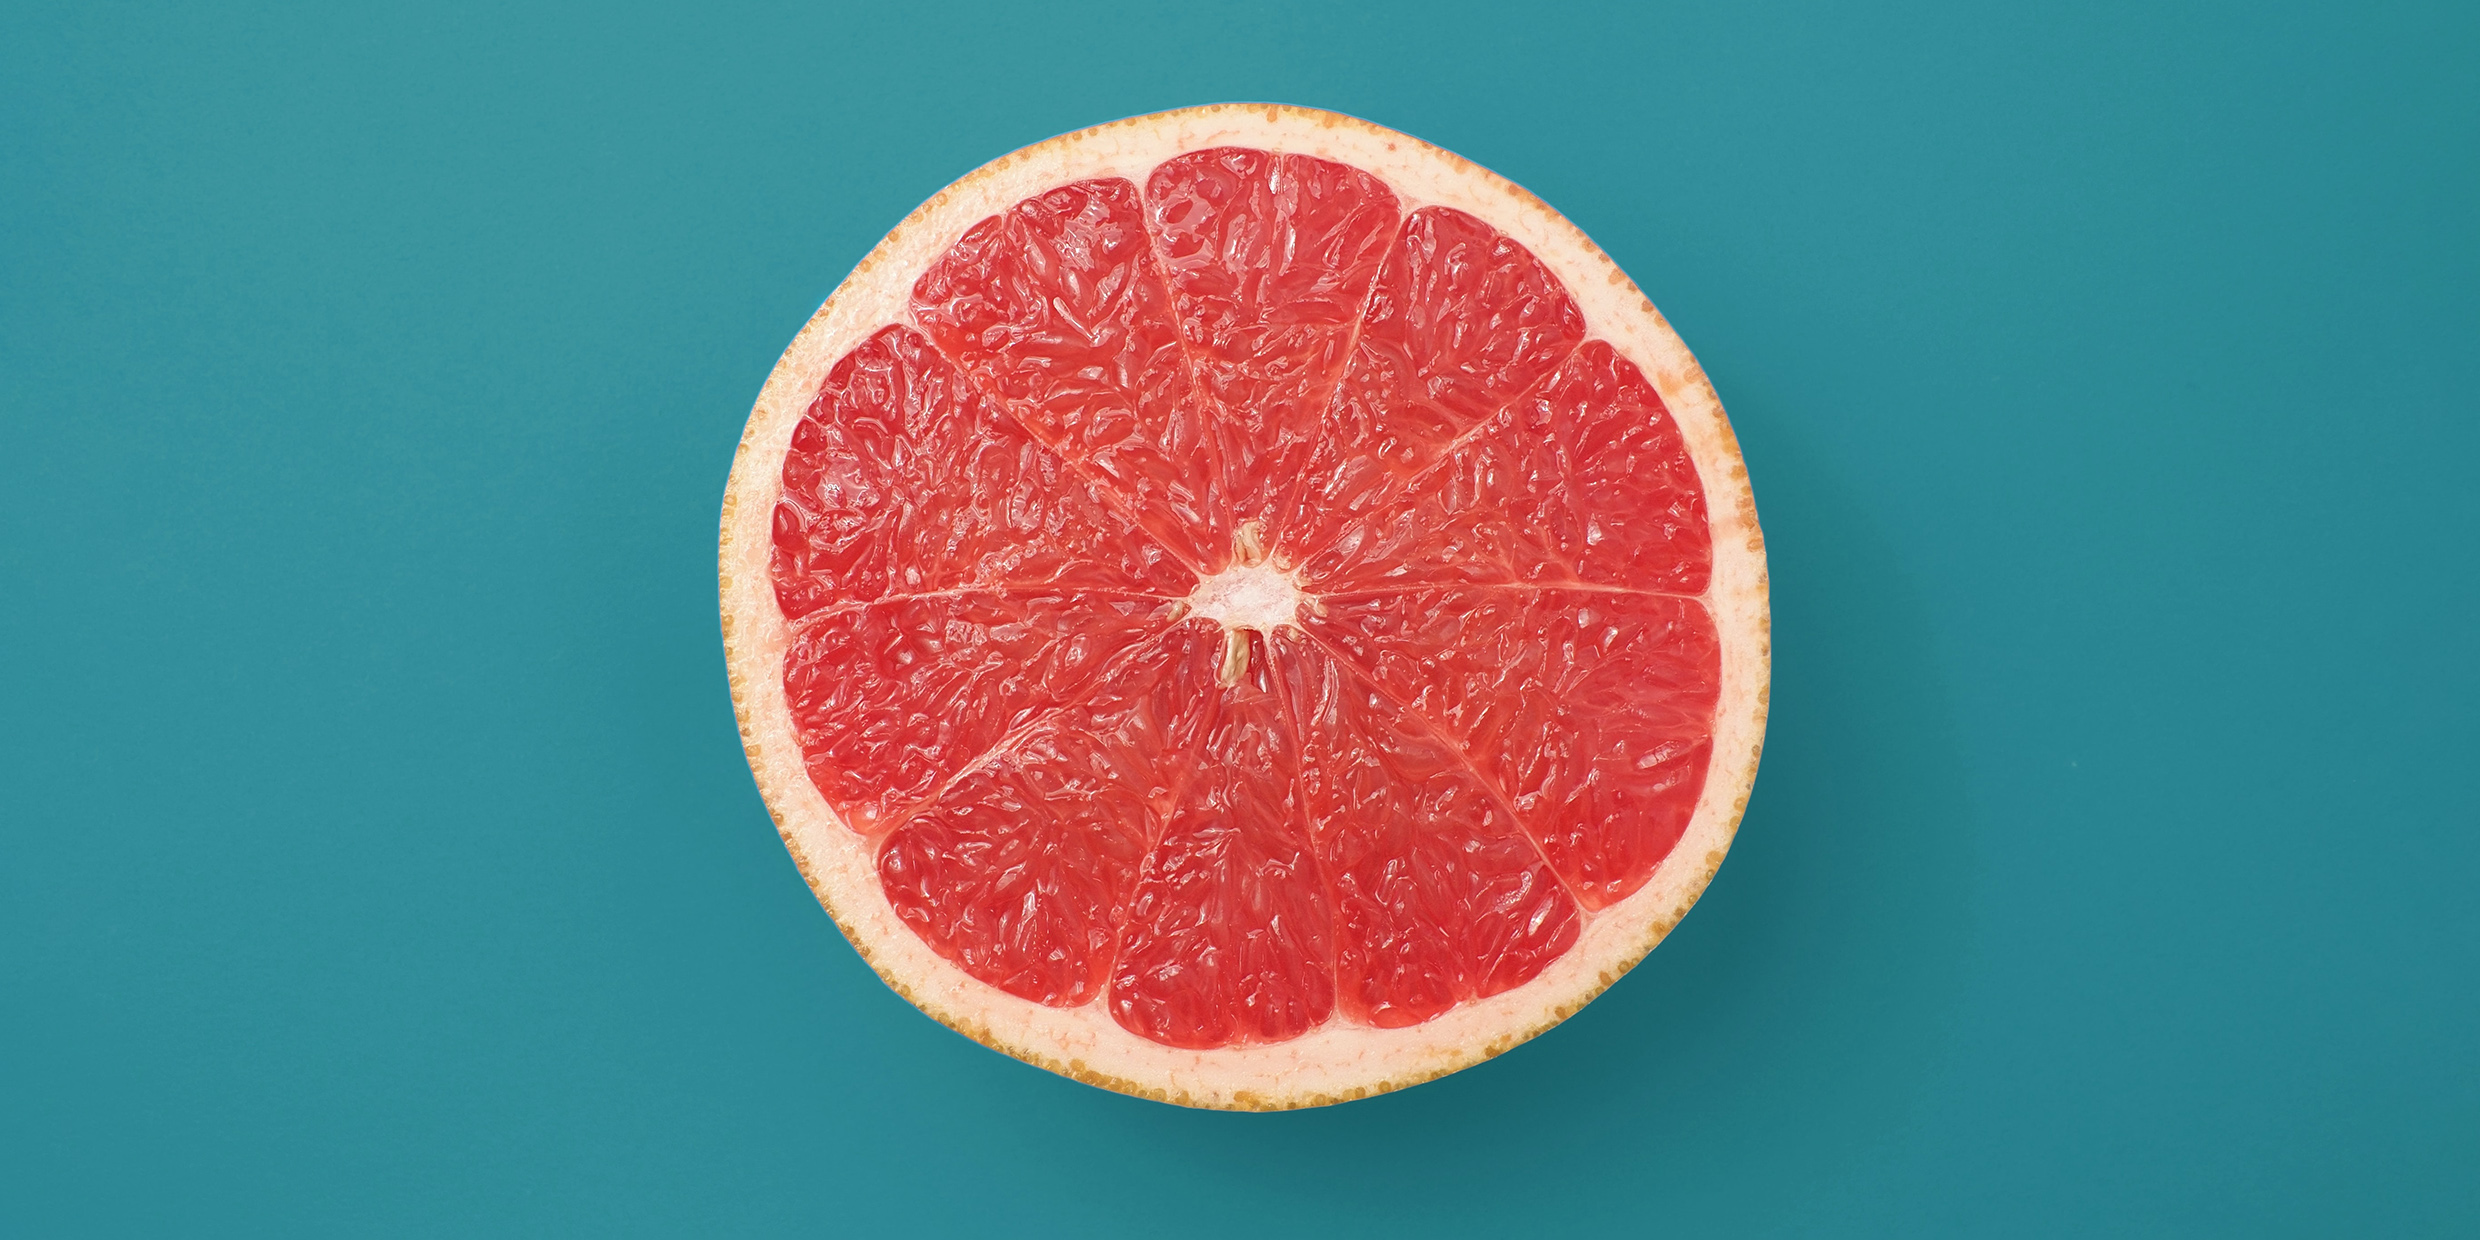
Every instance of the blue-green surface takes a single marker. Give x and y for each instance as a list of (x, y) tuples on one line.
[(376, 852)]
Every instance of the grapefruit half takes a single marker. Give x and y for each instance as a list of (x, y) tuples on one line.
[(1245, 608)]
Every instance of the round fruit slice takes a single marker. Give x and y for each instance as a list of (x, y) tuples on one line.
[(1243, 607)]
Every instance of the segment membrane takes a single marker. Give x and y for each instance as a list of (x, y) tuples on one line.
[(1591, 711), (1438, 897), (901, 479), (1229, 940), (1270, 259), (1584, 480), (891, 698), (1056, 308), (1021, 872), (1462, 321)]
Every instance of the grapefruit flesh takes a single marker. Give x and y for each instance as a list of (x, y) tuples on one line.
[(1236, 599)]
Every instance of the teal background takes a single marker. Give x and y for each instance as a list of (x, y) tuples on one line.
[(379, 858)]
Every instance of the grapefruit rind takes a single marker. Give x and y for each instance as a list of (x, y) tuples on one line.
[(1338, 1061)]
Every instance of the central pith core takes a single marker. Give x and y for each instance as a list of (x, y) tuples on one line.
[(1255, 592), (1248, 596)]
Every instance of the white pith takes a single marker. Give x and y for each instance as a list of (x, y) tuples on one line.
[(1248, 596), (1339, 1060)]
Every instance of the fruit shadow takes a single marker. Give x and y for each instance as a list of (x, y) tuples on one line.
[(1798, 1013)]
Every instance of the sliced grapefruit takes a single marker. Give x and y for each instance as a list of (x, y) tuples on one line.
[(1245, 608)]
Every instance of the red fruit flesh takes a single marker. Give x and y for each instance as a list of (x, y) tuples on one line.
[(1439, 897), (1270, 260), (1230, 937), (1490, 716)]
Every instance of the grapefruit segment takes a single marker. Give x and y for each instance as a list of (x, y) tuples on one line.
[(891, 698), (1624, 466), (1229, 940), (1462, 320), (1591, 710), (1439, 898), (1270, 259), (1057, 308), (902, 479), (1021, 871), (1585, 479)]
